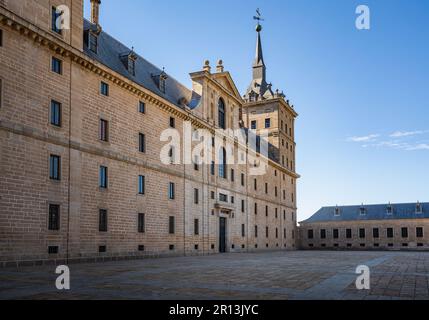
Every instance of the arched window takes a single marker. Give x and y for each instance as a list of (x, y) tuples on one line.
[(221, 114), (222, 163)]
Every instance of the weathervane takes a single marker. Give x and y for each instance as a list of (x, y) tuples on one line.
[(258, 17)]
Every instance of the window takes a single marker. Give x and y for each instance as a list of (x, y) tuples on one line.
[(362, 233), (141, 224), (255, 184), (54, 217), (104, 89), (196, 196), (266, 187), (267, 123), (55, 113), (102, 249), (171, 190), (223, 197), (92, 42), (171, 225), (232, 175), (196, 227), (266, 232), (57, 65), (322, 234), (53, 250), (103, 177), (221, 114), (253, 125), (266, 211), (337, 211), (335, 233), (404, 232), (277, 233), (419, 208), (348, 233), (131, 65), (142, 107), (375, 233), (212, 195), (141, 185), (256, 231), (222, 163), (55, 167), (102, 220), (256, 208), (362, 211), (242, 205), (243, 230), (419, 232), (242, 179), (172, 122), (310, 234), (212, 168), (140, 247), (232, 199), (56, 20), (162, 83), (104, 130), (142, 143), (1, 92), (196, 163), (389, 209), (276, 193), (389, 232), (1, 38), (284, 233)]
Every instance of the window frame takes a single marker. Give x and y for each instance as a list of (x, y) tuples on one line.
[(102, 220), (141, 223), (54, 167), (103, 130), (141, 185), (56, 63), (221, 113), (103, 182), (104, 89), (171, 191), (54, 224), (54, 115)]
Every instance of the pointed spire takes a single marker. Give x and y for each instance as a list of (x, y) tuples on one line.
[(259, 57)]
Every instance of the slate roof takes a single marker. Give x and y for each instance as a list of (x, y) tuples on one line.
[(109, 52), (372, 212)]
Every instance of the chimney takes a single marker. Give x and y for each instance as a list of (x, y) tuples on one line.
[(95, 12)]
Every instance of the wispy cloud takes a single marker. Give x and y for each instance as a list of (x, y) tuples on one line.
[(401, 134), (367, 138), (422, 146)]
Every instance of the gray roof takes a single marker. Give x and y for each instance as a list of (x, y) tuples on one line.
[(109, 52), (371, 212)]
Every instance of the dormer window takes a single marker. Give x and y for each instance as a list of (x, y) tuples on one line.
[(419, 208), (93, 42), (362, 211), (337, 211), (129, 61), (389, 209), (160, 80)]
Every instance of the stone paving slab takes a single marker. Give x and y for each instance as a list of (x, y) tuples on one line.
[(293, 275)]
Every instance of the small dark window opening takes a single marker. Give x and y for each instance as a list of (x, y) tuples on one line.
[(196, 227), (57, 65), (104, 89), (142, 143), (55, 113), (102, 220), (103, 177), (419, 232), (142, 185), (141, 222), (54, 217), (375, 233), (171, 225), (142, 107), (53, 250), (310, 234), (172, 122), (93, 42), (404, 232), (390, 232), (56, 16), (104, 130), (55, 167), (102, 249)]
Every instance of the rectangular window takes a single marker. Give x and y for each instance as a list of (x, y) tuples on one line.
[(266, 232), (55, 167), (172, 122), (348, 233), (242, 205), (267, 123), (104, 89), (141, 223), (196, 227), (142, 107), (56, 17), (212, 195), (102, 220), (232, 175), (212, 168), (142, 143), (362, 233), (310, 234), (389, 232), (104, 130), (256, 231), (336, 234), (53, 250), (256, 208), (419, 232), (253, 125), (171, 225), (255, 184), (375, 233), (232, 199), (103, 177), (54, 217), (404, 232), (1, 38), (142, 185), (196, 196), (243, 230), (223, 197), (171, 190), (55, 113), (242, 179), (266, 187), (57, 65), (322, 234)]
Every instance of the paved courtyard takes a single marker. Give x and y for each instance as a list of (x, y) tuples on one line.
[(271, 275)]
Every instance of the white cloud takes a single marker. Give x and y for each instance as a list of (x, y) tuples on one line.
[(370, 137), (422, 146), (401, 134)]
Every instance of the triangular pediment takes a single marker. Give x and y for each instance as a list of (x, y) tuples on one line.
[(225, 80)]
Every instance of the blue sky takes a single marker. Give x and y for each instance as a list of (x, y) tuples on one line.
[(362, 96)]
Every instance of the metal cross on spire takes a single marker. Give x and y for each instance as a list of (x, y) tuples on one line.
[(258, 16)]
